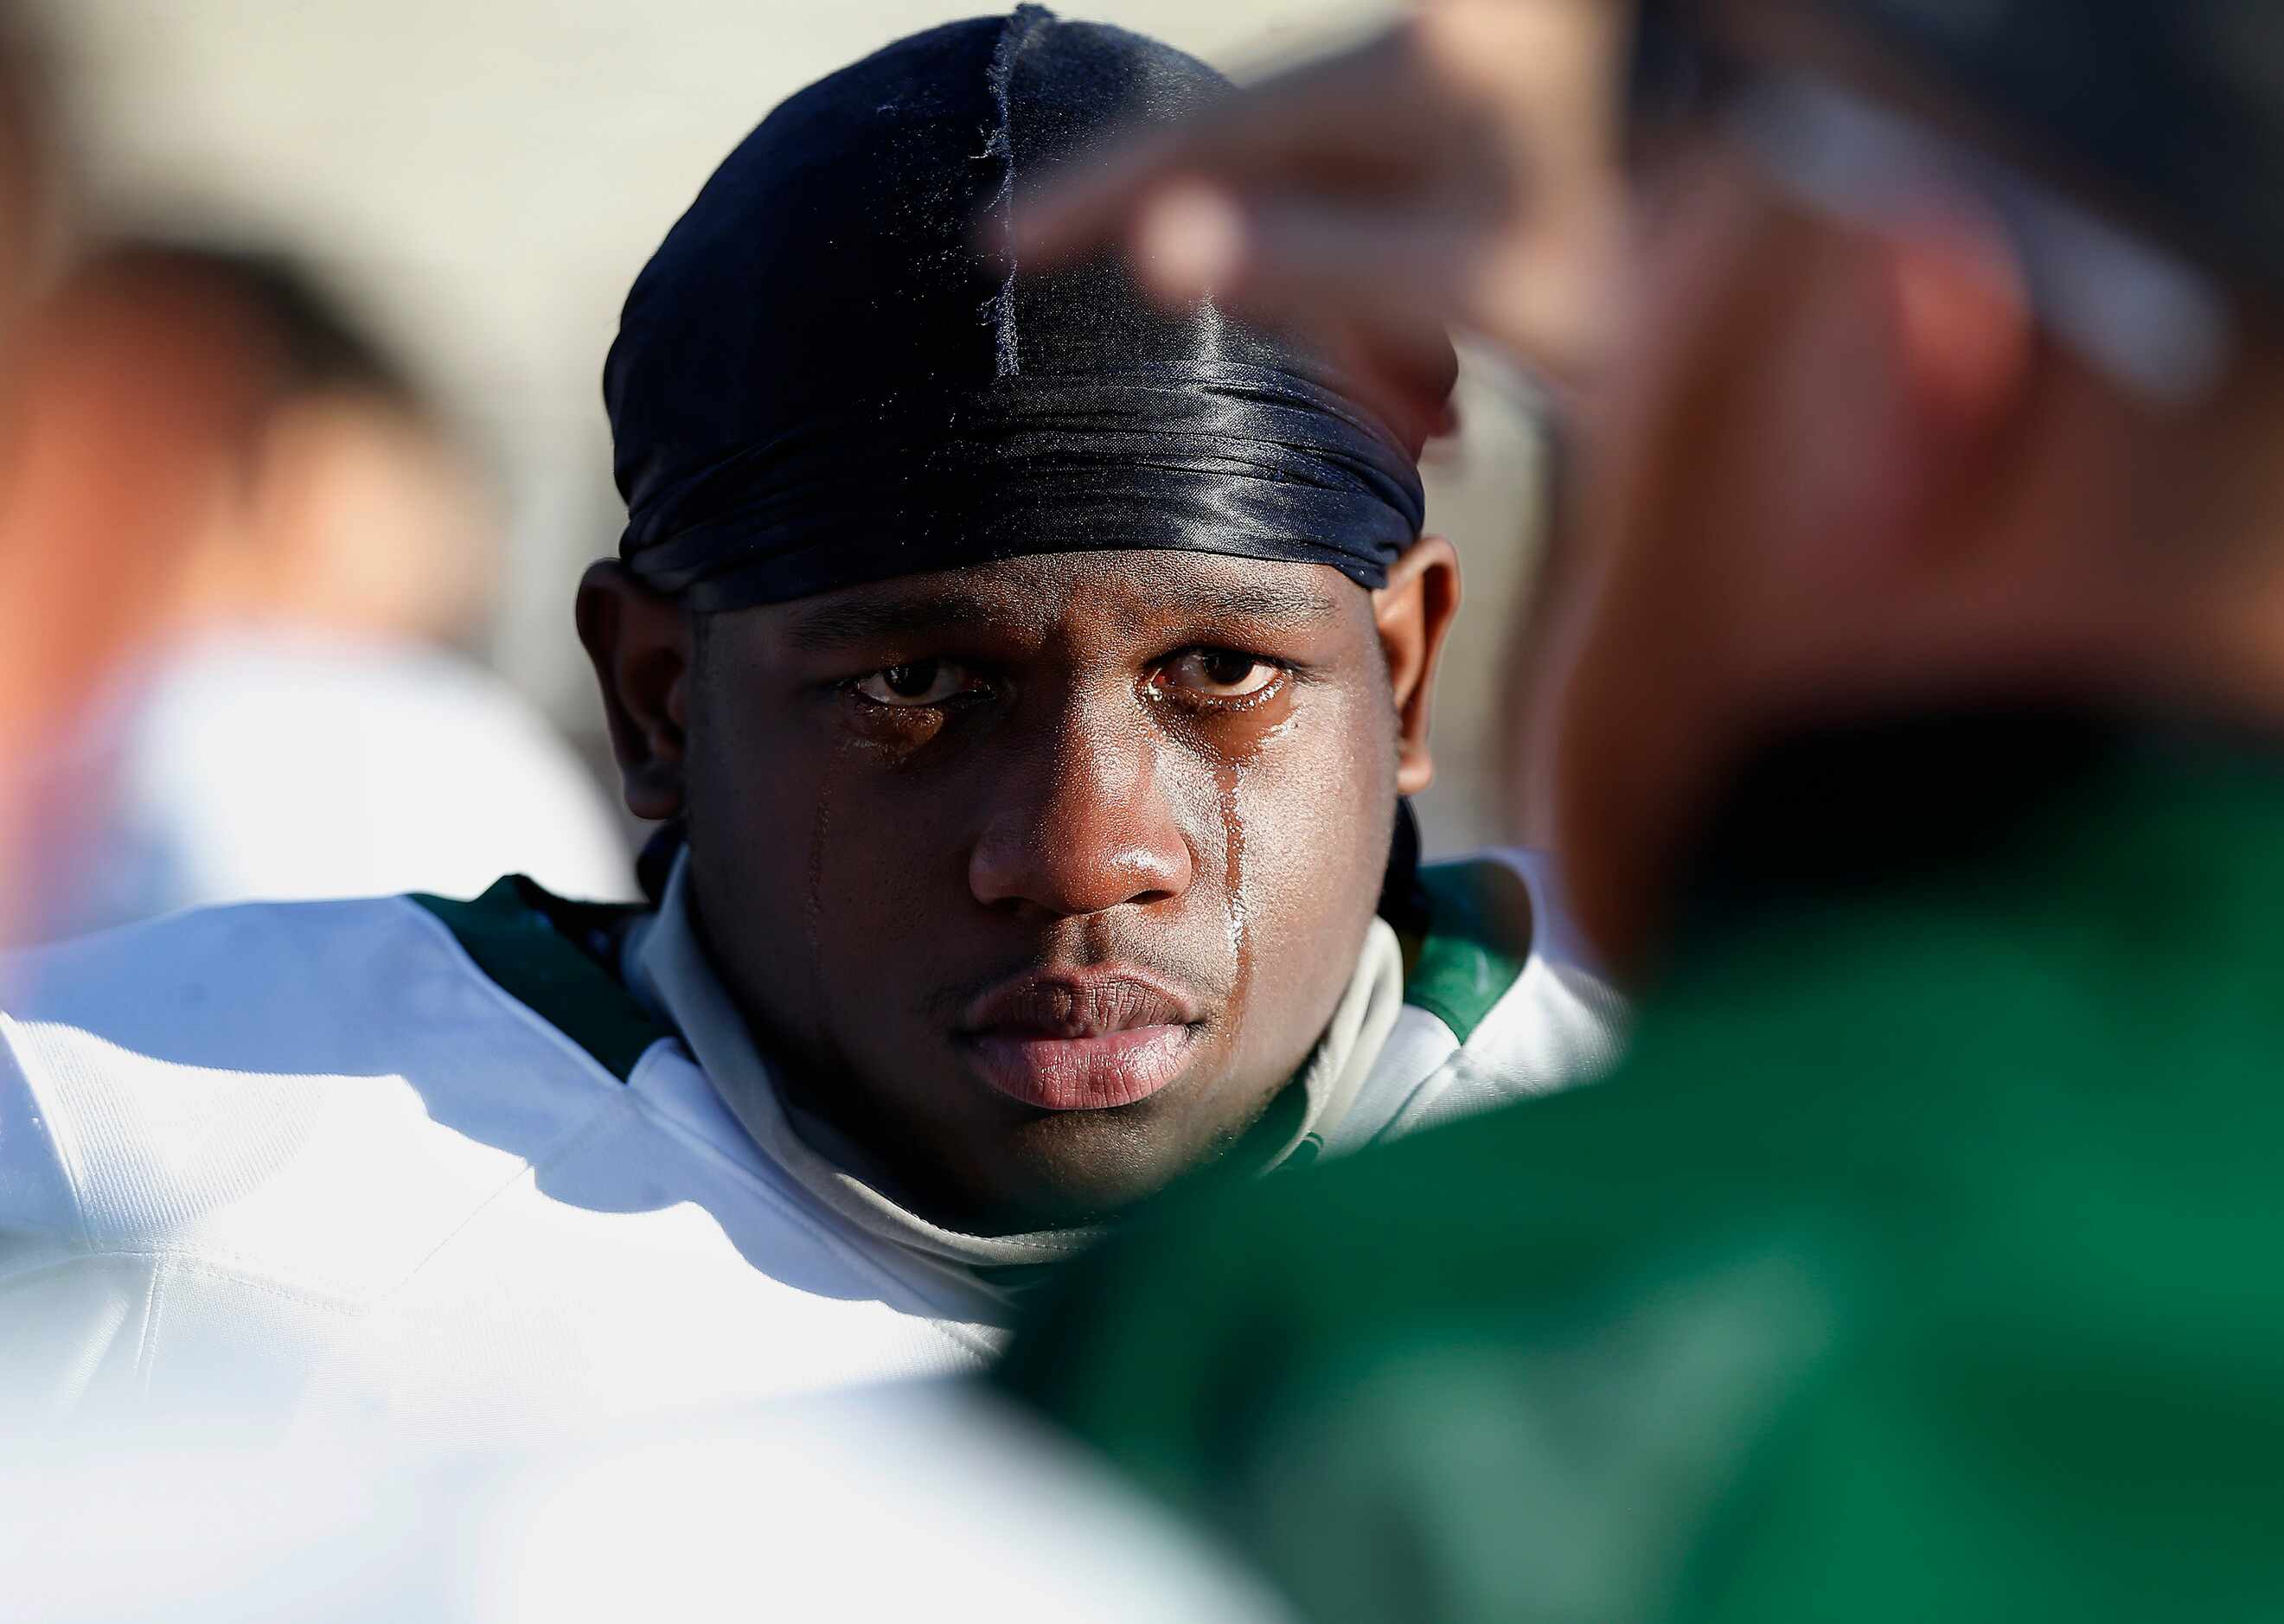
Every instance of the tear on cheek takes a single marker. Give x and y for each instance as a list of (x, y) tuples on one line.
[(1240, 940)]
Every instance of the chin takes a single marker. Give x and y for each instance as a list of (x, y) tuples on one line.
[(1072, 1168)]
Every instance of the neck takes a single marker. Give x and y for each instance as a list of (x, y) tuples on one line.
[(2157, 643)]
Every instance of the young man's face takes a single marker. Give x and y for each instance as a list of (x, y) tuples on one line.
[(1042, 877)]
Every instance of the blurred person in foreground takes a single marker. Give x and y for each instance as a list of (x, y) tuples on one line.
[(1031, 681), (294, 722), (1920, 759)]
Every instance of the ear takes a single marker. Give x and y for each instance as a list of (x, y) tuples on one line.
[(1888, 374), (1414, 613), (640, 641), (1961, 339)]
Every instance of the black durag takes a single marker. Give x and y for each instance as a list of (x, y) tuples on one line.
[(833, 371)]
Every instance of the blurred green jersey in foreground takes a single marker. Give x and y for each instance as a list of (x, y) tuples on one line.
[(1922, 1260)]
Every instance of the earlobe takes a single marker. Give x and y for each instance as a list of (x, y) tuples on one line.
[(1962, 334), (1897, 370), (639, 642), (1414, 613)]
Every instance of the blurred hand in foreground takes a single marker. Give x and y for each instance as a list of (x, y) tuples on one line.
[(1461, 170)]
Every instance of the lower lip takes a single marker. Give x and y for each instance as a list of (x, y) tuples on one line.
[(1083, 1074)]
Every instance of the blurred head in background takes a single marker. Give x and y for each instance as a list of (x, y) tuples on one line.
[(283, 540), (34, 195), (1909, 414), (56, 637), (1918, 345), (317, 487)]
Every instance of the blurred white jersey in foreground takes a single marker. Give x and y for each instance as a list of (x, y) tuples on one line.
[(933, 1502)]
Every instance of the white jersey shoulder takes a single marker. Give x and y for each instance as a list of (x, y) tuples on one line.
[(430, 1161), (1501, 1001), (319, 1158)]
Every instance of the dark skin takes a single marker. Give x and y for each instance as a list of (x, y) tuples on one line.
[(901, 796)]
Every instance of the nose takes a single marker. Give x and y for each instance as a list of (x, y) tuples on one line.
[(1086, 826)]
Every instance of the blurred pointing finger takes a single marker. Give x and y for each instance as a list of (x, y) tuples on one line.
[(1345, 122)]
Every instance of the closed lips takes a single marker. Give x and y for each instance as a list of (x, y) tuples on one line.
[(1082, 1044), (1060, 1006)]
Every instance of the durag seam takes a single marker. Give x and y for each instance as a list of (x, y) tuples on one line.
[(1023, 26)]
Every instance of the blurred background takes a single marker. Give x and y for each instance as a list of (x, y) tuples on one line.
[(481, 180)]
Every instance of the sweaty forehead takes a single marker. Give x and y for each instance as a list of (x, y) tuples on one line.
[(1091, 596)]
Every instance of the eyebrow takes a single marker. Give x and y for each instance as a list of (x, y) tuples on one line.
[(870, 620), (1280, 605)]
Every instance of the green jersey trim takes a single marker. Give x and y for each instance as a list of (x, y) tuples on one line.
[(521, 937), (1477, 943)]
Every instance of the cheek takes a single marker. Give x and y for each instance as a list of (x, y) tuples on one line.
[(753, 798), (890, 843), (1315, 824), (790, 835), (1324, 788)]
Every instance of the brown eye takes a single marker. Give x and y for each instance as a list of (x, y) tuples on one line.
[(1219, 674), (916, 682)]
